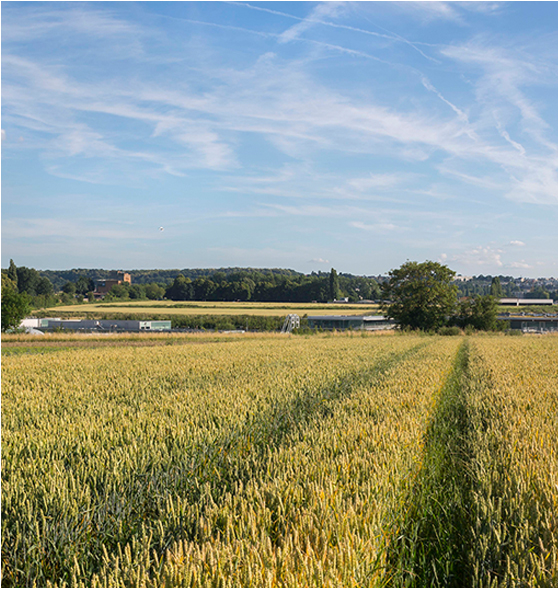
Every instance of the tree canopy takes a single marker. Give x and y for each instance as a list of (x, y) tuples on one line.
[(15, 305), (479, 312), (420, 295)]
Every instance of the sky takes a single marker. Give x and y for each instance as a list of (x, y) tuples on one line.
[(303, 135)]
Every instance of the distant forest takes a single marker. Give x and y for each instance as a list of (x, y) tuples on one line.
[(164, 277), (228, 284)]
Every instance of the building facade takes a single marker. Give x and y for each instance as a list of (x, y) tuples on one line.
[(366, 322), (104, 285), (530, 323), (102, 325)]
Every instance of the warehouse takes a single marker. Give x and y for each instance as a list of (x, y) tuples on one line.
[(539, 324), (367, 322)]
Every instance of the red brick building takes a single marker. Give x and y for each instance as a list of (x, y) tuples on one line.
[(116, 277)]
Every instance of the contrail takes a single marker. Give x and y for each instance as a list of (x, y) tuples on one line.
[(391, 37)]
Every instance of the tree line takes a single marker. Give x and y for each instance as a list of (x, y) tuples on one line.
[(272, 287), (225, 284), (231, 284), (502, 286), (417, 295)]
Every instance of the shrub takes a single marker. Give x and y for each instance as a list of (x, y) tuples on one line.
[(454, 330)]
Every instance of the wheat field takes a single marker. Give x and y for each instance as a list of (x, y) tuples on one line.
[(346, 460), (172, 308)]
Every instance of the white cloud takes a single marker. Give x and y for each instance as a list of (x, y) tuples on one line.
[(482, 181), (282, 128), (480, 256), (3, 135), (376, 181), (430, 11), (487, 258), (317, 210), (76, 229), (380, 227), (284, 106), (118, 38), (522, 264), (318, 261)]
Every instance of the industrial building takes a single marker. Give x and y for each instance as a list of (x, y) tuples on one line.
[(100, 325), (532, 323), (519, 302), (367, 322)]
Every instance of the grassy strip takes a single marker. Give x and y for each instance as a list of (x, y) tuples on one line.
[(430, 545), (23, 350), (482, 510)]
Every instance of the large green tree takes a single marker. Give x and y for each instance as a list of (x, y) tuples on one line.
[(479, 312), (15, 305), (420, 295), (333, 285)]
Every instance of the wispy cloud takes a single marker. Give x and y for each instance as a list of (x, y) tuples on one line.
[(272, 118), (34, 228), (331, 9), (431, 11), (379, 181), (522, 264), (324, 9), (382, 227), (479, 256), (281, 113)]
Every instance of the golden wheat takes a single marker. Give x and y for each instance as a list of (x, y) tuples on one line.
[(279, 461)]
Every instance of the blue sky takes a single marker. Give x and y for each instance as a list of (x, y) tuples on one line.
[(304, 135)]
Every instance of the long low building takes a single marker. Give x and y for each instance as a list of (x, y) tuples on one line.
[(540, 323), (103, 325), (368, 322), (520, 302)]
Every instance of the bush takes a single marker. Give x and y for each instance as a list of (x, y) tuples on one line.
[(454, 330)]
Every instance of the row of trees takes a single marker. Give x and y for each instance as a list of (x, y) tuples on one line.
[(417, 295), (422, 296), (253, 286), (243, 285), (502, 287)]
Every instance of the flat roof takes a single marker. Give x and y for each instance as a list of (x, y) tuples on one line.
[(503, 301), (346, 317), (529, 317)]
